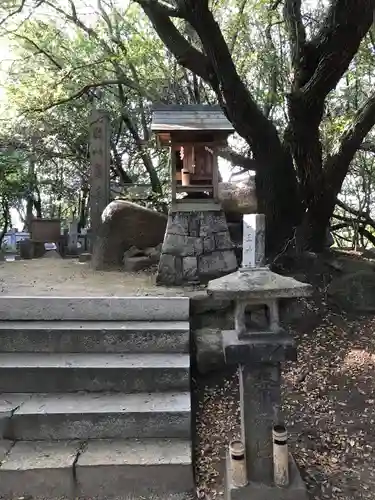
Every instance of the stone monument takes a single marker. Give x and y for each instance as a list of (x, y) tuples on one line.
[(100, 165), (197, 244), (73, 237), (259, 351)]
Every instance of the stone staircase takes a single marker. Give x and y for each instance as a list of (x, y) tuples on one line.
[(95, 399)]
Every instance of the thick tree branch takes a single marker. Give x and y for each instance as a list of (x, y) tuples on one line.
[(328, 55), (297, 33), (238, 160), (162, 8), (359, 214), (350, 142), (186, 54), (368, 146)]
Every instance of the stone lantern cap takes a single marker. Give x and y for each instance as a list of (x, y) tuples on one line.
[(257, 284)]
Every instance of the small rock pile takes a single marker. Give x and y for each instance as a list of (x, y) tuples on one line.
[(136, 260)]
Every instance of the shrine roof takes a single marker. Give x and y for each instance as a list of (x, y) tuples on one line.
[(196, 117)]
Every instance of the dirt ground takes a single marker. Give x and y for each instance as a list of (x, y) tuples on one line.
[(329, 407), (68, 277)]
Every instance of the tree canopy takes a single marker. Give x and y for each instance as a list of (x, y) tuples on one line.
[(294, 77)]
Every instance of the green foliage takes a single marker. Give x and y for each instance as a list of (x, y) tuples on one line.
[(59, 62)]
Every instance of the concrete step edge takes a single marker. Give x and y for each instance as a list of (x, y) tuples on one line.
[(157, 468), (147, 451), (17, 404), (139, 308), (46, 360), (84, 326)]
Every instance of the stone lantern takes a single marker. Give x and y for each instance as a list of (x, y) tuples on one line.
[(197, 245), (258, 349)]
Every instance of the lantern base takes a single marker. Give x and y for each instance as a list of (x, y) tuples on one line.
[(197, 247), (260, 491)]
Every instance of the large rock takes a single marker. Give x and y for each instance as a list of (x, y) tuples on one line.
[(238, 196), (126, 224), (354, 292)]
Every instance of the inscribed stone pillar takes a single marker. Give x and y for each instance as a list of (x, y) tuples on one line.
[(100, 164), (253, 249), (73, 237)]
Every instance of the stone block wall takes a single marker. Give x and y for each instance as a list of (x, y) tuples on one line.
[(197, 247)]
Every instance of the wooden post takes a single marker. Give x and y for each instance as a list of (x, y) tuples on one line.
[(215, 175), (173, 174)]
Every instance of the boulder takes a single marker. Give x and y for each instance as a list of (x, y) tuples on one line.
[(354, 292), (126, 224), (238, 196), (137, 263), (84, 257), (136, 259)]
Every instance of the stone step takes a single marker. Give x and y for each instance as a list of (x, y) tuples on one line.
[(95, 416), (94, 336), (126, 469), (19, 308), (70, 372)]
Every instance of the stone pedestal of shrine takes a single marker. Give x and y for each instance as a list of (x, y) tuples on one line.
[(197, 247), (258, 351)]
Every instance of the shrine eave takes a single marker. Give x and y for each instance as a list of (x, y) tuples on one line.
[(189, 118)]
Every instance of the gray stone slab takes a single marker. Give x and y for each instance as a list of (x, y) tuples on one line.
[(216, 263), (123, 469), (94, 337), (259, 285), (214, 222), (223, 241), (39, 470), (93, 360), (190, 269), (182, 246), (8, 404), (18, 308), (260, 491), (169, 270), (66, 372), (91, 416), (5, 447)]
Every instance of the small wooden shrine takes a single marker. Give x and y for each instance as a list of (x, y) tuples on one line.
[(194, 133), (197, 245)]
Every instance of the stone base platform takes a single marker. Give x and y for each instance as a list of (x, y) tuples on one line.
[(197, 247), (260, 491)]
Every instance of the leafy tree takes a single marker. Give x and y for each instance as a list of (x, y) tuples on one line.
[(297, 181), (12, 176)]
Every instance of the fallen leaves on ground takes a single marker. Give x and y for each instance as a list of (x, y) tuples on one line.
[(329, 406)]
